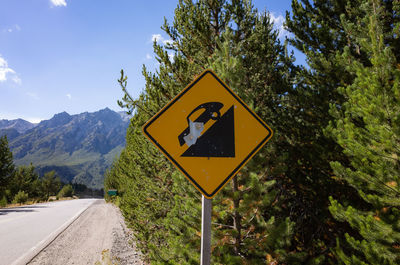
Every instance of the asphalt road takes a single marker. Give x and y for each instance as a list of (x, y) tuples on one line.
[(24, 231)]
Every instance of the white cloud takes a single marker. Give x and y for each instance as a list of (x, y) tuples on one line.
[(11, 29), (148, 56), (58, 2), (16, 79), (6, 72), (33, 95), (16, 27), (278, 25), (158, 38), (69, 96)]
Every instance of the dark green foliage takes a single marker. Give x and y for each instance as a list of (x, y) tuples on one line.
[(6, 165), (249, 228), (51, 183), (83, 191), (25, 179), (320, 34), (251, 216), (3, 201), (276, 210), (352, 50), (367, 126), (66, 191)]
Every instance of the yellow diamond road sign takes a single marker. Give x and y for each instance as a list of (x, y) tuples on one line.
[(208, 133)]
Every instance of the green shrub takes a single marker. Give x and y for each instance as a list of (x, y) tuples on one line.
[(3, 202), (20, 197), (66, 191)]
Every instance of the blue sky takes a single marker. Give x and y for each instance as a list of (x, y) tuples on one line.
[(66, 55)]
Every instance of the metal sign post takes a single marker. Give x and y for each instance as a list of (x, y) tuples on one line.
[(205, 255)]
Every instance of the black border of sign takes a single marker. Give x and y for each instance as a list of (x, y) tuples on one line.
[(155, 117)]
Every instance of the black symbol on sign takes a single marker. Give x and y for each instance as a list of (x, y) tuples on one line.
[(218, 140)]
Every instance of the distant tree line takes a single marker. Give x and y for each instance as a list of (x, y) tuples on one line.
[(326, 188), (83, 191), (22, 183)]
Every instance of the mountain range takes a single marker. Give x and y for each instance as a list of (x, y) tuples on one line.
[(78, 147)]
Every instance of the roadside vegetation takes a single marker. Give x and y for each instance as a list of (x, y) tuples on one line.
[(325, 189), (19, 185)]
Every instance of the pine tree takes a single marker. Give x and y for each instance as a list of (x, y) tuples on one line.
[(25, 179), (6, 165), (322, 31), (250, 227), (251, 219), (51, 183), (367, 127)]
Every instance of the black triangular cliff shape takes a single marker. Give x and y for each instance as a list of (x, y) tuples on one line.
[(217, 141)]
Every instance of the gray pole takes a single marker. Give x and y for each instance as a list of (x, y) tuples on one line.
[(205, 255)]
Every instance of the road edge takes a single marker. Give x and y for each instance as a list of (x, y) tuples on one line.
[(34, 251)]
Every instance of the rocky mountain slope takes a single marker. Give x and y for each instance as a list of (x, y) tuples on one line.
[(19, 125), (78, 147), (14, 128)]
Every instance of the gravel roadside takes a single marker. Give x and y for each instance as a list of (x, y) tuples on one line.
[(98, 236)]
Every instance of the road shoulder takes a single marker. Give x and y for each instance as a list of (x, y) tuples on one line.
[(98, 232)]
